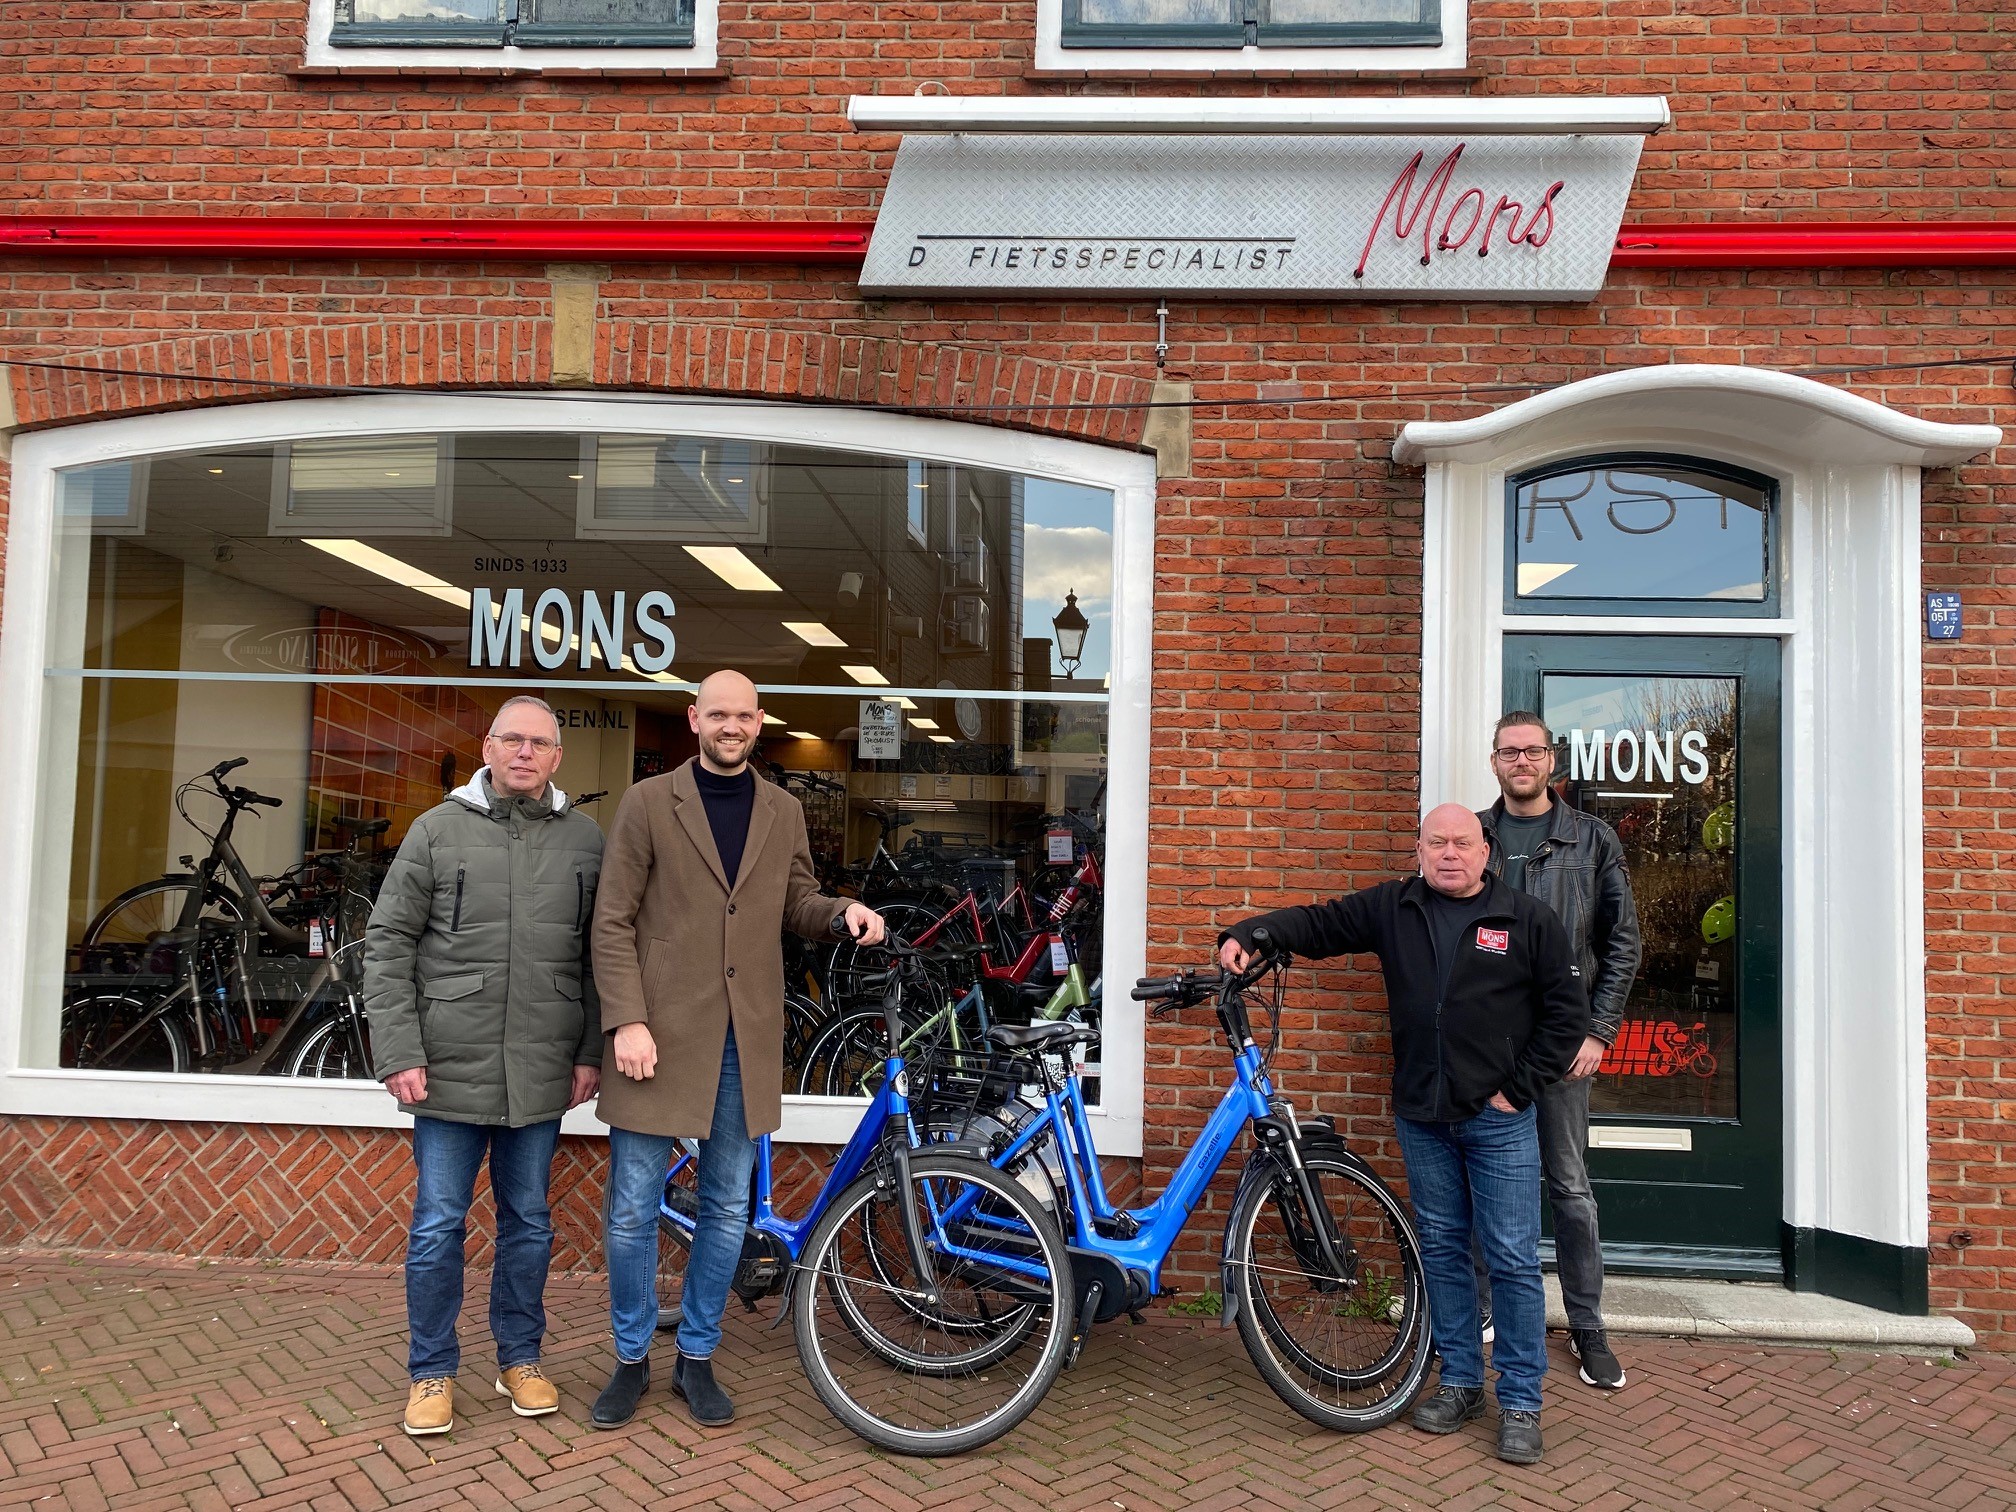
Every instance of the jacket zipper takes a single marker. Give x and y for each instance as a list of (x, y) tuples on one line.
[(580, 897), (460, 872)]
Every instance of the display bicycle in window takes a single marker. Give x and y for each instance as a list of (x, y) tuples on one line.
[(512, 23), (346, 614)]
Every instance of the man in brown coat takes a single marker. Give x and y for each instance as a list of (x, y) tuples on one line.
[(704, 869)]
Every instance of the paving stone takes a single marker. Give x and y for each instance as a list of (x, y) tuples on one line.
[(143, 1386)]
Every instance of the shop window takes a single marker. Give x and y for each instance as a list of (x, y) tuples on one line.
[(345, 616), (1641, 534), (512, 23)]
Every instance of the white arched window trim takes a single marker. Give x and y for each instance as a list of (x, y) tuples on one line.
[(1849, 472), (24, 633)]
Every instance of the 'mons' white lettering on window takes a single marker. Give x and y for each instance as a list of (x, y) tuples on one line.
[(495, 634), (498, 626), (1607, 756), (1693, 757), (1586, 751)]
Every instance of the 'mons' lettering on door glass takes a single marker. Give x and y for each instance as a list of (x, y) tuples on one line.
[(1655, 758)]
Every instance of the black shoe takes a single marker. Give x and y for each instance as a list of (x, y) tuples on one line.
[(709, 1404), (1449, 1408), (1518, 1436), (1599, 1366), (619, 1399)]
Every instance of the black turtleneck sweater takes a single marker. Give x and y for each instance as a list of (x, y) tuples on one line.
[(729, 802)]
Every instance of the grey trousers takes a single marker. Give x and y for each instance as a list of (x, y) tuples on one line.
[(1578, 1246)]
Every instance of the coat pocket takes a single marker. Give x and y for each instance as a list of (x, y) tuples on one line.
[(448, 989), (567, 984)]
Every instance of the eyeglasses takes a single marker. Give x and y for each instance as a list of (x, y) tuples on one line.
[(1534, 754), (541, 744)]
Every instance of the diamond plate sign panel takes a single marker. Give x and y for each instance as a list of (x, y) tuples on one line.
[(1242, 217)]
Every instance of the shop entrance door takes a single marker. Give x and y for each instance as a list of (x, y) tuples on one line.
[(1674, 742)]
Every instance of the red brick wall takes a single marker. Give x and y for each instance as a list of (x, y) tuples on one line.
[(1287, 627)]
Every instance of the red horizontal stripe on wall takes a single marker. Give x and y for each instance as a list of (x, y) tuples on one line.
[(1778, 244)]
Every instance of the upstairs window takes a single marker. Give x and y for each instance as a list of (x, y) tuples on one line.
[(512, 23), (1641, 533), (1251, 23)]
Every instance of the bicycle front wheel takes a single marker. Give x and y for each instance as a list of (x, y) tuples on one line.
[(116, 1031), (1347, 1351), (946, 1368), (846, 1057), (331, 1050)]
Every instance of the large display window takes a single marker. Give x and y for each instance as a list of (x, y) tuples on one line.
[(263, 659)]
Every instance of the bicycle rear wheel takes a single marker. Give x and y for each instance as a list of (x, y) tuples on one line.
[(146, 910), (934, 1372), (1350, 1352)]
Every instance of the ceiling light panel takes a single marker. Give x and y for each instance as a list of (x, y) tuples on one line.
[(813, 633), (733, 568)]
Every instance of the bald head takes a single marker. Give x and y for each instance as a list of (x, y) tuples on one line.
[(728, 719), (1452, 850)]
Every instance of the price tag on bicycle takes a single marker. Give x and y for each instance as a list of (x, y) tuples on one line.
[(1060, 957), (1059, 849)]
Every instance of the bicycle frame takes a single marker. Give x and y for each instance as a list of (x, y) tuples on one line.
[(890, 1107), (1161, 1222)]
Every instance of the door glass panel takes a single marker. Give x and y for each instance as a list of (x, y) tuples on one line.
[(1656, 758), (1645, 530)]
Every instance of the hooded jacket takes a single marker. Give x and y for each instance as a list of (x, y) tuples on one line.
[(1511, 1019), (476, 961)]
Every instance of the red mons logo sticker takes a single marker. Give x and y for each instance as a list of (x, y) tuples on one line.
[(1497, 941)]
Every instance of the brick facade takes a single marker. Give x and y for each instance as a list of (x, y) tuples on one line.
[(1288, 591)]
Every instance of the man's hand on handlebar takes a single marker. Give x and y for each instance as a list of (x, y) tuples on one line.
[(1233, 956)]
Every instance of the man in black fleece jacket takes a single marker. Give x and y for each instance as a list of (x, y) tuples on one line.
[(1488, 1007)]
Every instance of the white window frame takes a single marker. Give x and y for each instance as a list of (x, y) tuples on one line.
[(704, 53), (1849, 472), (24, 631), (1053, 55)]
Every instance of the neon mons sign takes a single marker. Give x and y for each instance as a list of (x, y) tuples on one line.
[(1467, 219)]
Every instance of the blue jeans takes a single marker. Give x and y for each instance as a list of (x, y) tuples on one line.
[(447, 1156), (1483, 1171), (637, 1167)]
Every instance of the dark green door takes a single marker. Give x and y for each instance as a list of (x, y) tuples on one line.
[(1674, 742)]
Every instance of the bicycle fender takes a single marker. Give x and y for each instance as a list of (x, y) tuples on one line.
[(1317, 1135)]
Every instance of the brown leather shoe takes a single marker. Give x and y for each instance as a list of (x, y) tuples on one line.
[(430, 1406), (532, 1395)]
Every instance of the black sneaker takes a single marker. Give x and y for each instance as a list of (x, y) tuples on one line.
[(1518, 1436), (1448, 1408), (1599, 1366), (709, 1404), (619, 1399)]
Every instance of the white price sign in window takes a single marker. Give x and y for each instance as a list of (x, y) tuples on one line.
[(881, 730), (1060, 957), (1059, 842)]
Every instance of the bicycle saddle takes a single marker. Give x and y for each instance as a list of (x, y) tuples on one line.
[(363, 826), (1033, 1036)]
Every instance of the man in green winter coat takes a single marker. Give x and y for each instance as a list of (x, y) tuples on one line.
[(485, 1027)]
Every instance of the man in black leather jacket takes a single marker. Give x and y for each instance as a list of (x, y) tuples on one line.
[(1574, 863)]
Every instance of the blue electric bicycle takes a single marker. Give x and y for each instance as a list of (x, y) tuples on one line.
[(1321, 1269), (931, 1292)]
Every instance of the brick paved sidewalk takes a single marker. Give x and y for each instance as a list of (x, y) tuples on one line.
[(146, 1385)]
